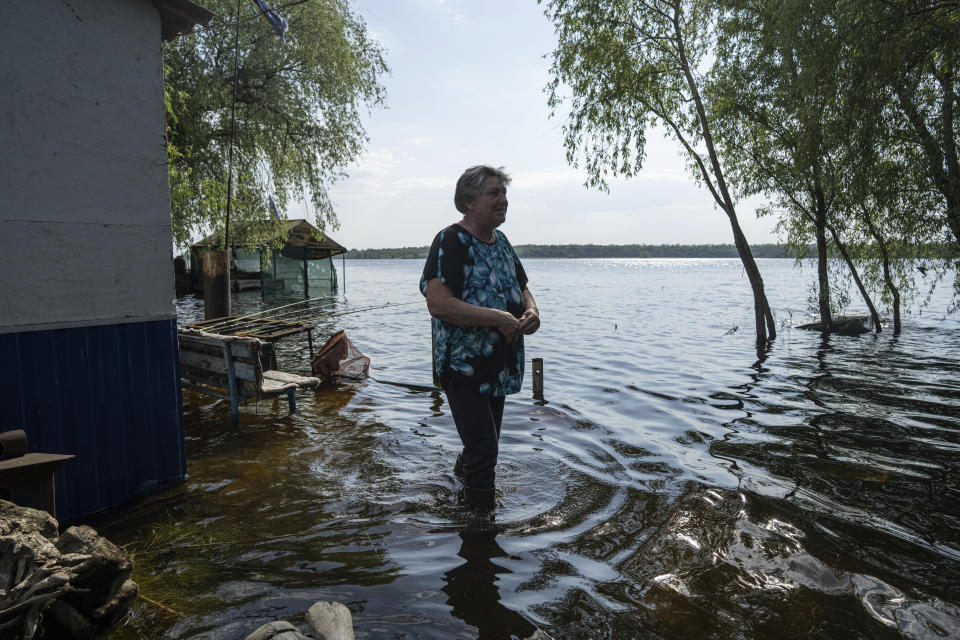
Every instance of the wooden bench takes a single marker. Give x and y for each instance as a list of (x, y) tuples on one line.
[(32, 476), (232, 368)]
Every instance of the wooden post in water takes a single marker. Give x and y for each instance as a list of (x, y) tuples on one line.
[(216, 284), (537, 378)]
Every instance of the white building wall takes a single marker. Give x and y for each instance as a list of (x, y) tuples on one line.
[(85, 233)]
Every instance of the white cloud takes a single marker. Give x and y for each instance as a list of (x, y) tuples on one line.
[(466, 88)]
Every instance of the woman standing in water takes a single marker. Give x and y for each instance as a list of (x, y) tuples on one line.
[(477, 294)]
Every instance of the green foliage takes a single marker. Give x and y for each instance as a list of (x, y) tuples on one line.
[(907, 56), (298, 112), (617, 71), (836, 112)]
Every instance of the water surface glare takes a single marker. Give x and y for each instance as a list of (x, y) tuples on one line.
[(673, 485)]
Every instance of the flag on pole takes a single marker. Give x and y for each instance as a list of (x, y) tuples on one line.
[(277, 21), (273, 208)]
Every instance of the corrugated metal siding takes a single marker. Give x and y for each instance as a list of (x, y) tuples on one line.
[(109, 395)]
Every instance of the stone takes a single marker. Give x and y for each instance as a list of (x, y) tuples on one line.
[(279, 630), (330, 621)]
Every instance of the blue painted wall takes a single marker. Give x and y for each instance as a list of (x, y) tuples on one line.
[(109, 395)]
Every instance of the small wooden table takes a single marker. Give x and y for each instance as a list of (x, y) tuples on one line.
[(32, 476)]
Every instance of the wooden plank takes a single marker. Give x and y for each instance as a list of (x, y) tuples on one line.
[(248, 388), (206, 390), (32, 476), (273, 336), (32, 460), (241, 352), (245, 370), (263, 328)]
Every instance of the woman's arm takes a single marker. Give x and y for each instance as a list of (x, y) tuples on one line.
[(442, 304)]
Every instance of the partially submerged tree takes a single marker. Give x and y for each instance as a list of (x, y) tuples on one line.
[(298, 108), (907, 56), (889, 207), (631, 64), (776, 90)]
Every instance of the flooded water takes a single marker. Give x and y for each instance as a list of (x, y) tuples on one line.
[(672, 484)]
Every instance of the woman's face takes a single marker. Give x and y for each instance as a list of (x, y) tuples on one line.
[(489, 210)]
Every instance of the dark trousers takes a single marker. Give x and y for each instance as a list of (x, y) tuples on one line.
[(478, 421)]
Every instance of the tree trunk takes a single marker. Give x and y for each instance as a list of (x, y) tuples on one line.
[(823, 278), (943, 164), (765, 327), (887, 278), (856, 278), (766, 330), (952, 162)]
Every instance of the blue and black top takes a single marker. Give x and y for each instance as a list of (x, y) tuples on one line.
[(487, 275)]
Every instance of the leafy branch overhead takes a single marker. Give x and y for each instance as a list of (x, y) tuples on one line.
[(298, 114)]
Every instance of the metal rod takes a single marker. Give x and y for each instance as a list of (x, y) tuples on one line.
[(235, 324), (233, 128)]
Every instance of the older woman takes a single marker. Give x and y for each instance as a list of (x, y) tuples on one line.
[(477, 293)]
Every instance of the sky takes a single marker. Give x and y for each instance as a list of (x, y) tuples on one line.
[(466, 87)]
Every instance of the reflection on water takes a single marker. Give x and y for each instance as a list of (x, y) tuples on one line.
[(672, 486), (472, 592)]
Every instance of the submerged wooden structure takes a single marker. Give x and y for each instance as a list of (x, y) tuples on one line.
[(235, 368), (303, 266)]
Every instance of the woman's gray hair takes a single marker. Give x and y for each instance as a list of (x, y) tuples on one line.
[(470, 183)]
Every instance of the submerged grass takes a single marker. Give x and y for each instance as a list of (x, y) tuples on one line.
[(168, 534)]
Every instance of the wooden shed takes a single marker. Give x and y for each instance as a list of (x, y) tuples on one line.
[(303, 266), (89, 339)]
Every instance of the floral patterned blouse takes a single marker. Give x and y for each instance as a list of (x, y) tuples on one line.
[(488, 275)]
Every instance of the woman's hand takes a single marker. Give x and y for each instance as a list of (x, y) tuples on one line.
[(529, 321), (508, 325)]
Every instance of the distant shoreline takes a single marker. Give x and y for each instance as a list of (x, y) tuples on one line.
[(601, 251)]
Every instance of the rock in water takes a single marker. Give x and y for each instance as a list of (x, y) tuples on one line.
[(73, 585), (279, 630), (330, 621)]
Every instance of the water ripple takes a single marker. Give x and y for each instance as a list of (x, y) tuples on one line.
[(671, 485)]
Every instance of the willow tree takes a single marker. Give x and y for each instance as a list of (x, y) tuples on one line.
[(630, 65), (913, 50), (777, 87), (298, 111), (907, 60)]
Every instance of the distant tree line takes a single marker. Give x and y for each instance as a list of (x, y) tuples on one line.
[(647, 251), (939, 252), (401, 252), (601, 251)]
